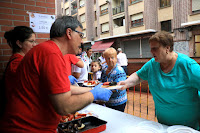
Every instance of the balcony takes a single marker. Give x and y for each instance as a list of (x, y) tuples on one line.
[(118, 9), (104, 11), (74, 11), (136, 23), (134, 1)]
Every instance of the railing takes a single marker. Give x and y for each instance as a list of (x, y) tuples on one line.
[(140, 103), (165, 3), (118, 9), (104, 11), (74, 11), (134, 1), (136, 23)]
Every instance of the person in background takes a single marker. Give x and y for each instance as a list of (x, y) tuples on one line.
[(21, 39), (75, 60), (122, 60), (72, 59), (96, 69), (173, 80), (115, 73), (102, 60), (43, 93), (81, 74), (89, 58)]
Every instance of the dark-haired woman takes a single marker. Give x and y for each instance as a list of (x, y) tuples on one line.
[(21, 39)]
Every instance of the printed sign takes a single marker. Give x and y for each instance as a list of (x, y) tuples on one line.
[(41, 22)]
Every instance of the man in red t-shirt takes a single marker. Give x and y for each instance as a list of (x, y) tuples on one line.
[(43, 92)]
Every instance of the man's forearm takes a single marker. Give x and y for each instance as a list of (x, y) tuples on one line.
[(65, 103), (79, 90)]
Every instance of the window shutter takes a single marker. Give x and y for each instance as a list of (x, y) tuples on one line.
[(105, 27), (137, 16)]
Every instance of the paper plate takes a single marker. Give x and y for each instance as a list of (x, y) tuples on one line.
[(86, 84), (114, 87), (180, 129), (151, 124)]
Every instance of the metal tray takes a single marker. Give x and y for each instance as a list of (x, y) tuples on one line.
[(92, 125)]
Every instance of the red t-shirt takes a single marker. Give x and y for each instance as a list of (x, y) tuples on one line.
[(10, 74), (70, 59), (41, 72)]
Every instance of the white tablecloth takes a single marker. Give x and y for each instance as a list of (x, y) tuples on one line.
[(118, 122)]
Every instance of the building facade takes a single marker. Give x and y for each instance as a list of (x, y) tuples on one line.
[(129, 24)]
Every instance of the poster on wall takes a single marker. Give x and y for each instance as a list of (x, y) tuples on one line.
[(41, 22)]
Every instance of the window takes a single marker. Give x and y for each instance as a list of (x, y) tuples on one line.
[(73, 8), (166, 26), (118, 9), (96, 32), (82, 3), (137, 20), (119, 22), (104, 27), (137, 48), (82, 18), (195, 6), (134, 1), (104, 9), (67, 11), (66, 0), (84, 31), (197, 45), (165, 3), (95, 15)]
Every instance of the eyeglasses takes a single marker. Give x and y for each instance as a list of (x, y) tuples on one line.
[(80, 33), (31, 41)]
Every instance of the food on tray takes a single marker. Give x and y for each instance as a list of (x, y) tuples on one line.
[(90, 83), (71, 117), (73, 127), (109, 84)]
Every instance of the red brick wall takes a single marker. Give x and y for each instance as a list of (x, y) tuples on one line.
[(13, 13)]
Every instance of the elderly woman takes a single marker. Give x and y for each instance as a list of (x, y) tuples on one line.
[(113, 72), (173, 80)]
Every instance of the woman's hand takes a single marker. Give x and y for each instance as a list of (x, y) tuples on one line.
[(122, 83)]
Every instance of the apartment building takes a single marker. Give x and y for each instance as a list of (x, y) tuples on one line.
[(129, 24)]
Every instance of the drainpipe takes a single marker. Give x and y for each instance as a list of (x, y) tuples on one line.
[(140, 48)]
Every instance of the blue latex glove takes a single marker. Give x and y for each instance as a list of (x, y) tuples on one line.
[(72, 79), (101, 93)]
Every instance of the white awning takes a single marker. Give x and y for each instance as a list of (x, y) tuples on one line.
[(129, 34), (190, 23)]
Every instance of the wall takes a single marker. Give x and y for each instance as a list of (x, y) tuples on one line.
[(13, 13)]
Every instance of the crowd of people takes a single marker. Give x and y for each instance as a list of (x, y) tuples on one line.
[(39, 80)]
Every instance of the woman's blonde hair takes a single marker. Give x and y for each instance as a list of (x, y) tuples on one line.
[(110, 50)]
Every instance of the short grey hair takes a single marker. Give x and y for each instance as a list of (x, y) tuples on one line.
[(59, 27)]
